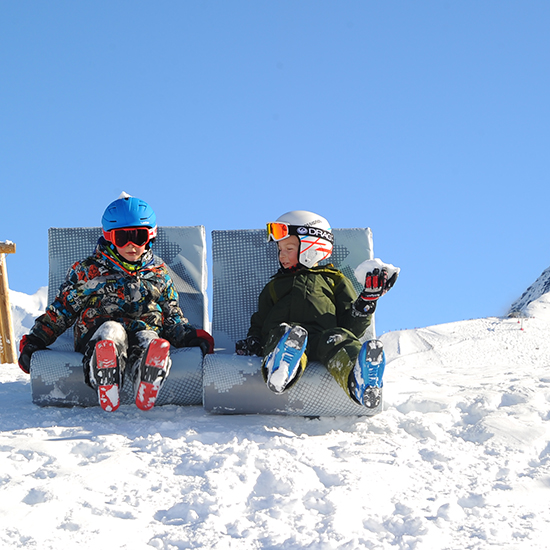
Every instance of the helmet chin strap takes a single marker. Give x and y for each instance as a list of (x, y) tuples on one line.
[(293, 269)]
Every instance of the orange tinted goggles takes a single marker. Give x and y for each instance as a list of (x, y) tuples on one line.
[(277, 231)]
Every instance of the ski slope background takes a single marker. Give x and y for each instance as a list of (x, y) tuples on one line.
[(459, 458)]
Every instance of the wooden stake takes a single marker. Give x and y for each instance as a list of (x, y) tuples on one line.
[(7, 353)]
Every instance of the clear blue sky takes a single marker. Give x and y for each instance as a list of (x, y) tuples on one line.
[(427, 121)]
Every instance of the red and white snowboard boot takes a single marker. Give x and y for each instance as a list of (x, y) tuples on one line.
[(154, 369), (106, 371)]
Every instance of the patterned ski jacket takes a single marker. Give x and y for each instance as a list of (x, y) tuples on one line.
[(318, 298), (104, 287)]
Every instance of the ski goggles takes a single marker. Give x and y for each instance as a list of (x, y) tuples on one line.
[(277, 231), (139, 236)]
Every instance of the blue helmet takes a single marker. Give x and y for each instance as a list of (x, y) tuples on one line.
[(128, 212)]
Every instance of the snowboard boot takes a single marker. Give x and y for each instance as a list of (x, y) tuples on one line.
[(284, 365), (105, 374), (153, 370), (365, 380)]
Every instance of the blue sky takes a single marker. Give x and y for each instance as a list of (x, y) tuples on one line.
[(427, 121)]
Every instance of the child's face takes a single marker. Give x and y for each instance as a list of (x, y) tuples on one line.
[(288, 251), (131, 252)]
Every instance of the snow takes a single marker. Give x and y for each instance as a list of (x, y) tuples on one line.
[(368, 266), (459, 458)]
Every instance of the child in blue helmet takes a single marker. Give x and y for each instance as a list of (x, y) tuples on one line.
[(309, 311), (124, 308)]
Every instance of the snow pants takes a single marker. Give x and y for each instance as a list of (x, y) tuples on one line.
[(336, 348), (130, 347)]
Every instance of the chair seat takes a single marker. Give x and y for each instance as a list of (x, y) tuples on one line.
[(58, 380), (233, 384)]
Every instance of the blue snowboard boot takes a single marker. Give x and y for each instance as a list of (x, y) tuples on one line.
[(365, 380), (282, 367)]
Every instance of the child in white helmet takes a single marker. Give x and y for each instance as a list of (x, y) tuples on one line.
[(312, 312), (124, 308)]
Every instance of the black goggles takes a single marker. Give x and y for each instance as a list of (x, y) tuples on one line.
[(139, 236)]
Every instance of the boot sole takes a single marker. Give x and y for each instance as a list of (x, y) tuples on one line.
[(108, 375), (370, 357), (286, 356), (154, 371)]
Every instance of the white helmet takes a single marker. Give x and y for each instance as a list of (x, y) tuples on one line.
[(313, 231)]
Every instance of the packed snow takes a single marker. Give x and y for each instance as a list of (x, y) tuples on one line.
[(367, 266), (459, 458)]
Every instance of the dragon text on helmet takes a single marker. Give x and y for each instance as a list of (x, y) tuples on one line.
[(315, 232)]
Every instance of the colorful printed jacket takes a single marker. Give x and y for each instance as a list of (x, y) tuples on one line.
[(319, 298), (104, 287)]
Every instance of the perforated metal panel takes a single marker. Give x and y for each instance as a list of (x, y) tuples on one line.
[(57, 379), (234, 384)]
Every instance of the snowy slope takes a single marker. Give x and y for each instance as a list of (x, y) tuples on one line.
[(460, 458)]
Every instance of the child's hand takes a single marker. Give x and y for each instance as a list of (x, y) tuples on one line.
[(200, 338), (248, 346), (28, 345), (377, 283), (373, 268)]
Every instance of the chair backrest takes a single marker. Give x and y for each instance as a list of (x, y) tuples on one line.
[(183, 250), (243, 262)]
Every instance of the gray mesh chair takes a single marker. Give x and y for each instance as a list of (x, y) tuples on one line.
[(56, 373), (243, 262)]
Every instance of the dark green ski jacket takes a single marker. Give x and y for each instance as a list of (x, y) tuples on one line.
[(319, 298)]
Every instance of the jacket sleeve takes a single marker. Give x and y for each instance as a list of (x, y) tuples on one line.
[(347, 316), (63, 311), (265, 303), (176, 328)]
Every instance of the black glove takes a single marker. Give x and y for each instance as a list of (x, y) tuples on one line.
[(199, 338), (377, 284), (248, 346), (28, 345)]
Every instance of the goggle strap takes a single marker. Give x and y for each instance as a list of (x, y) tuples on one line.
[(278, 230)]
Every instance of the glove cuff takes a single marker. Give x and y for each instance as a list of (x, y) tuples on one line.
[(32, 340), (207, 338), (363, 307)]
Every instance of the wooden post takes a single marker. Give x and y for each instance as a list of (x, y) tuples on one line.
[(7, 352)]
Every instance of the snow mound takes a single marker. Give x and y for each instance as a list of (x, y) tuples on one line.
[(25, 309), (367, 266), (459, 458)]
